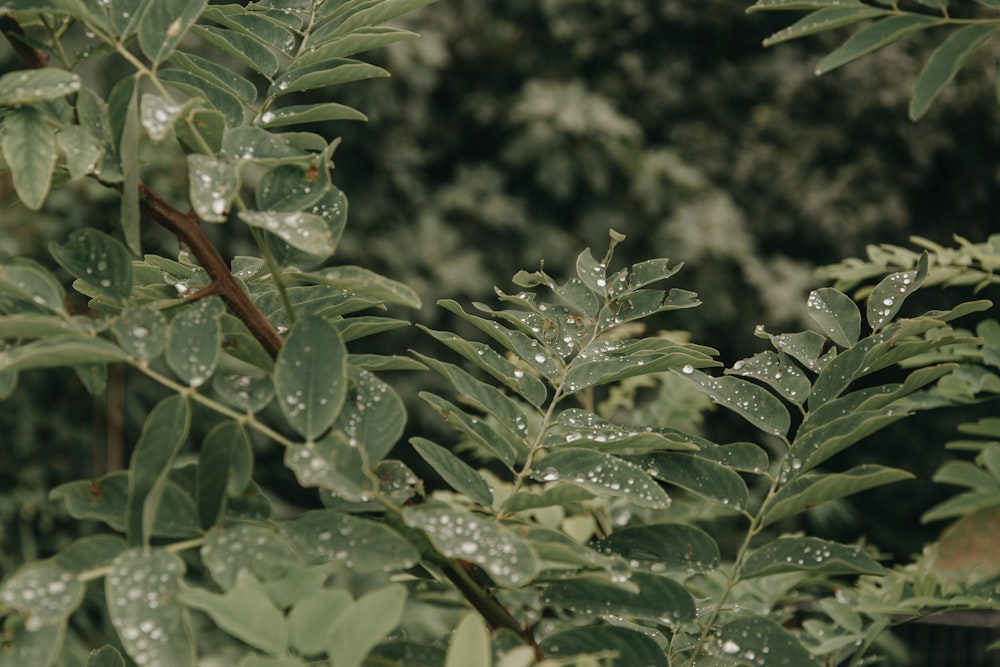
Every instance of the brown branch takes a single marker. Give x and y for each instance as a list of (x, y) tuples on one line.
[(32, 57), (188, 232)]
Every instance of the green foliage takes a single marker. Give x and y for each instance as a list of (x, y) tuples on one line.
[(552, 525)]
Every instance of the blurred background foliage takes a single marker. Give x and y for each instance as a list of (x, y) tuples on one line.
[(522, 130)]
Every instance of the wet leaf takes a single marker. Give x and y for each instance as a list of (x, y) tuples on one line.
[(81, 149), (702, 477), (98, 260), (331, 72), (326, 536), (195, 340), (310, 376), (750, 401), (248, 51), (887, 297), (253, 144), (33, 287), (373, 416), (580, 428), (777, 370), (244, 611), (663, 547), (644, 596), (603, 473), (804, 346), (309, 113), (479, 539), (29, 643), (141, 591), (249, 392), (742, 456), (164, 23), (811, 554), (212, 185), (141, 331), (759, 641), (561, 494), (819, 443), (836, 314), (255, 25), (25, 87), (358, 41), (216, 74), (106, 656), (874, 36), (454, 471), (362, 281), (306, 231), (332, 463), (88, 553), (500, 442), (292, 187), (44, 591), (809, 491), (247, 547)]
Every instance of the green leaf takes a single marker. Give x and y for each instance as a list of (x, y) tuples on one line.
[(777, 370), (373, 416), (762, 5), (818, 444), (33, 286), (499, 441), (362, 281), (358, 41), (603, 473), (29, 148), (811, 554), (32, 325), (247, 547), (561, 494), (141, 590), (824, 19), (255, 25), (219, 97), (628, 647), (213, 184), (804, 346), (44, 591), (836, 314), (753, 403), (887, 297), (526, 385), (249, 392), (253, 144), (106, 656), (305, 231), (809, 491), (244, 611), (758, 640), (374, 615), (309, 113), (225, 466), (313, 614), (944, 63), (664, 547), (873, 37), (33, 643), (128, 151), (163, 434), (458, 474), (580, 428), (59, 351), (195, 341), (216, 74), (292, 187), (26, 87), (248, 51), (98, 260), (81, 149), (470, 643), (333, 464), (707, 479), (742, 456), (310, 376), (479, 539), (331, 72), (645, 597), (88, 553), (327, 536)]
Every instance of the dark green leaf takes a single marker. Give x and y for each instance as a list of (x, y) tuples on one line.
[(163, 434), (873, 37), (664, 547), (604, 473), (630, 648), (141, 591), (250, 391), (212, 186), (944, 63), (255, 25), (247, 547), (248, 51), (322, 74), (310, 376), (458, 474), (705, 478), (836, 314), (225, 464), (88, 553), (215, 73), (756, 640), (33, 286), (106, 656), (561, 494), (309, 113), (479, 539), (29, 147), (743, 456), (644, 596), (750, 401), (98, 260), (164, 24), (362, 281), (791, 554), (141, 332), (777, 370), (500, 441), (580, 428), (332, 464), (348, 45), (824, 19), (808, 491), (805, 346), (59, 351), (194, 341)]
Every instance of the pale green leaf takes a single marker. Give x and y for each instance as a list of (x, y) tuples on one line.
[(164, 23), (777, 370), (606, 474), (362, 281), (331, 463), (293, 187), (311, 617), (26, 87), (309, 113), (808, 491), (163, 433), (81, 149), (33, 286), (752, 402), (305, 231), (374, 615), (43, 590), (664, 546), (28, 643), (213, 184), (141, 590), (255, 25), (248, 51), (824, 19), (59, 351), (217, 74), (246, 547), (358, 41), (98, 260), (244, 611), (198, 86), (310, 376), (887, 296), (836, 314), (128, 150), (944, 63), (195, 340), (453, 470), (811, 554), (470, 643), (141, 331), (33, 325), (479, 539), (873, 37), (29, 148)]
